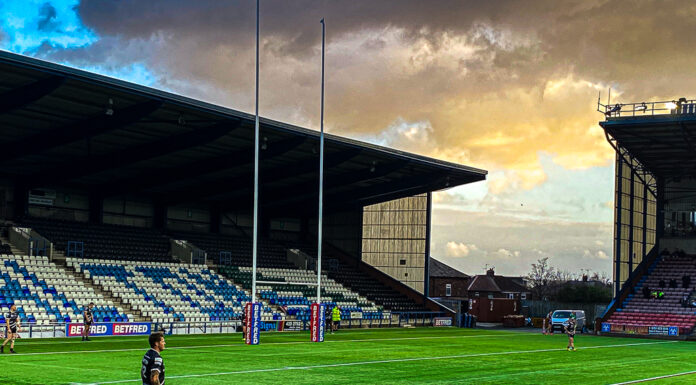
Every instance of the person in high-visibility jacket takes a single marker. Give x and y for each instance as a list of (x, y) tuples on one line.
[(335, 319)]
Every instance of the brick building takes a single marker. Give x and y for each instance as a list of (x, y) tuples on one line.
[(446, 281), (497, 286)]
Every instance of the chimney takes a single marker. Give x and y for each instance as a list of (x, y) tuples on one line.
[(490, 272)]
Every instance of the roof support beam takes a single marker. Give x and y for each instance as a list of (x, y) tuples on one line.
[(302, 191), (96, 125), (27, 94), (360, 197), (93, 164), (402, 187), (242, 184), (164, 176)]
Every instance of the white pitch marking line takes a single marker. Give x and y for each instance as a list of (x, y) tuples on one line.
[(386, 361), (225, 335), (656, 378), (268, 343)]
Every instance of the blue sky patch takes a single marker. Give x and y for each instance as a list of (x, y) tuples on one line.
[(27, 25)]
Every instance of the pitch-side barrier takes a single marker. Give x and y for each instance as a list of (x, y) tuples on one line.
[(62, 329)]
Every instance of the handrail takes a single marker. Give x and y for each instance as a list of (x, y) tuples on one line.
[(681, 106), (442, 306)]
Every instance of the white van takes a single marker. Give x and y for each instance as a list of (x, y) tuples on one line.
[(559, 319)]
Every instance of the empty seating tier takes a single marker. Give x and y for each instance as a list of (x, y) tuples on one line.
[(374, 290), (357, 281), (668, 310), (296, 298), (45, 294), (105, 241), (239, 249), (170, 292)]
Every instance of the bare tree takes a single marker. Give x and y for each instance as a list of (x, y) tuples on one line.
[(602, 277), (541, 277), (563, 276)]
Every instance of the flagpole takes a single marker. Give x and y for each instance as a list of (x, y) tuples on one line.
[(321, 165)]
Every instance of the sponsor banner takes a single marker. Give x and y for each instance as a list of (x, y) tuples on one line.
[(442, 321), (75, 330), (356, 315), (253, 317), (293, 326), (664, 330), (606, 327), (644, 330), (317, 322), (39, 201), (131, 329), (109, 329), (42, 197)]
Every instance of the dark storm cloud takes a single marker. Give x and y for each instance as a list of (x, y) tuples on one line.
[(600, 39), (471, 69)]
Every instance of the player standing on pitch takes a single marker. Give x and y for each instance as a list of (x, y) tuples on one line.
[(548, 324), (12, 321), (570, 330), (244, 325), (88, 318), (152, 370)]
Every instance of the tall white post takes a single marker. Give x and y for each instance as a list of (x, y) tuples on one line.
[(256, 167), (321, 165)]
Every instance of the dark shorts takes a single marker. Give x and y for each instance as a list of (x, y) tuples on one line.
[(337, 323), (87, 325), (12, 330), (571, 335)]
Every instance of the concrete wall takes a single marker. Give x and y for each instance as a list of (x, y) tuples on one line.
[(394, 239)]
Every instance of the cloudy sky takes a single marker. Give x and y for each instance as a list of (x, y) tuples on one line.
[(507, 86)]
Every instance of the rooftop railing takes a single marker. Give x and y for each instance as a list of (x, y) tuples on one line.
[(672, 107)]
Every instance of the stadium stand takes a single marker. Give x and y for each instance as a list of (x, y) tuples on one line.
[(666, 311), (297, 298), (105, 241), (365, 294), (167, 292), (170, 292), (357, 281), (272, 255), (239, 249), (45, 294), (373, 290)]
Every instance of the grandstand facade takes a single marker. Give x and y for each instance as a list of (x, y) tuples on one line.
[(654, 212), (396, 236), (145, 198)]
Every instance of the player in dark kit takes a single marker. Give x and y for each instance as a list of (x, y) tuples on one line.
[(152, 371), (87, 318), (570, 330), (12, 321), (244, 325)]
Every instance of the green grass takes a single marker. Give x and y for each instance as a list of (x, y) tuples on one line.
[(388, 356)]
